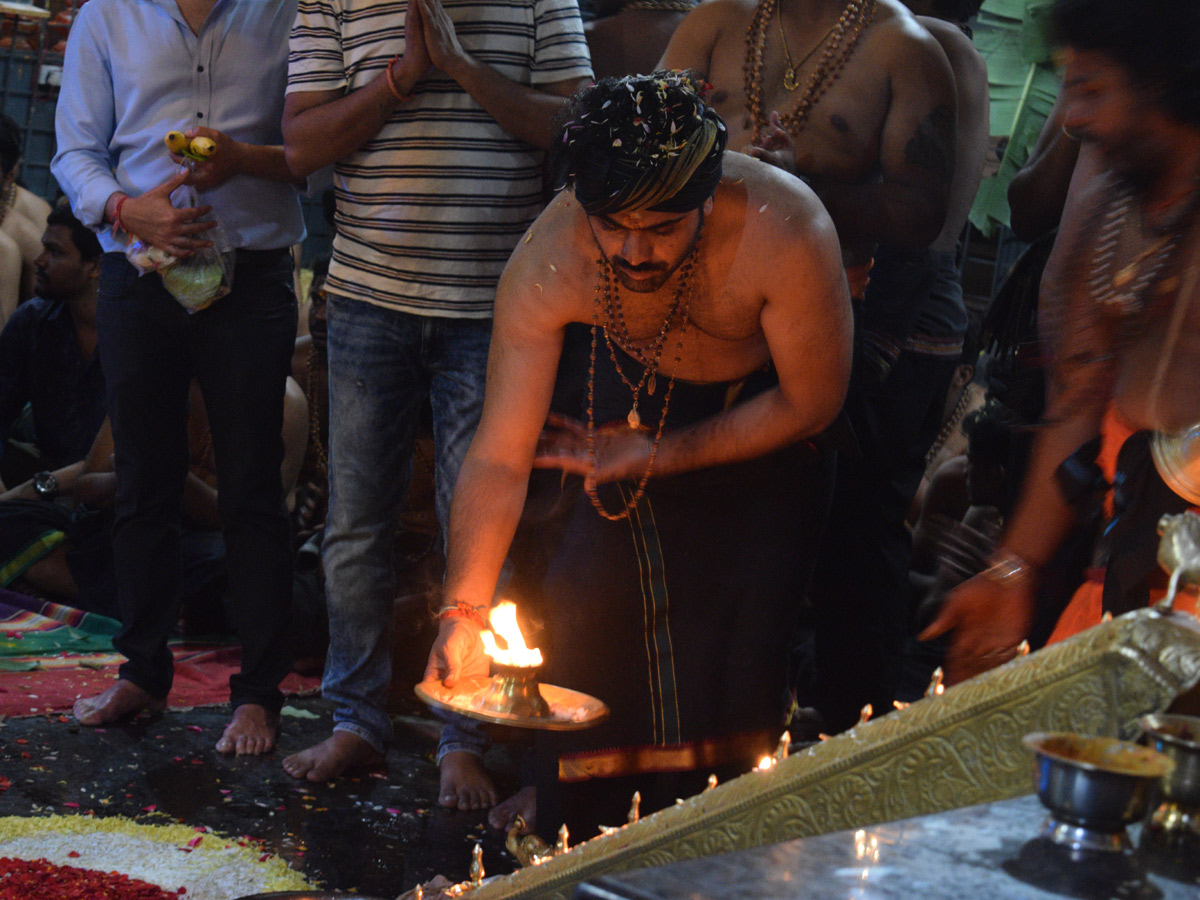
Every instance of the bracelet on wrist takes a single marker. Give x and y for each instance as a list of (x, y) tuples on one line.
[(117, 224), (463, 610), (391, 81), (1007, 569)]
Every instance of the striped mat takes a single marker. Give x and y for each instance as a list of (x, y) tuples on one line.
[(51, 654)]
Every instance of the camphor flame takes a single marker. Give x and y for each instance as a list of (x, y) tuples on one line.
[(503, 619)]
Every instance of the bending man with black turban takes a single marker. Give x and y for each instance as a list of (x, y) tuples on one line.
[(720, 343)]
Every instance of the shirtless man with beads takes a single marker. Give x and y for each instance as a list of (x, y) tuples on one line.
[(852, 95), (720, 341)]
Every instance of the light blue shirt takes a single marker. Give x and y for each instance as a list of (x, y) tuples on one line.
[(134, 71)]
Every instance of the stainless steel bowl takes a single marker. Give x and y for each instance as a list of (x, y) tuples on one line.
[(1094, 787), (1177, 737), (1177, 458)]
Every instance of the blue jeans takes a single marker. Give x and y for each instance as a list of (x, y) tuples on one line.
[(382, 363)]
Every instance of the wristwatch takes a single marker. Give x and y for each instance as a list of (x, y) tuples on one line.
[(45, 485)]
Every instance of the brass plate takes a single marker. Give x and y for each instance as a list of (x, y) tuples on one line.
[(569, 710)]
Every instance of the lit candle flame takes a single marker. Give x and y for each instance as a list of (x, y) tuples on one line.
[(764, 764), (503, 619), (936, 686)]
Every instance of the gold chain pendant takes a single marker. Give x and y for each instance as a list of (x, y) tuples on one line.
[(789, 80), (633, 418), (650, 383)]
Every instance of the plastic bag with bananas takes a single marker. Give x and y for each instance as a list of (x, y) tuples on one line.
[(198, 280)]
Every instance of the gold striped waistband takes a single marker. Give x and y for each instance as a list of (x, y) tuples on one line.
[(746, 748)]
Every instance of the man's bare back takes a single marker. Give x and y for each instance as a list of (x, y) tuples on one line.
[(886, 119)]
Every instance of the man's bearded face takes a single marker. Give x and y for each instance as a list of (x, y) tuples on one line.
[(62, 272), (1103, 106), (646, 248)]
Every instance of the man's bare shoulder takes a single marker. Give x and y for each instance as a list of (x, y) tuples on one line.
[(720, 13), (551, 262), (959, 49), (775, 200), (709, 24), (896, 38), (781, 238)]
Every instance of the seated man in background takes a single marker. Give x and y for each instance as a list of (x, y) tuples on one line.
[(63, 549), (48, 355), (22, 213)]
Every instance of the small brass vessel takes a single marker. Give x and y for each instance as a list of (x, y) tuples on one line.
[(514, 691)]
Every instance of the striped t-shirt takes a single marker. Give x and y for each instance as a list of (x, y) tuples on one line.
[(429, 209)]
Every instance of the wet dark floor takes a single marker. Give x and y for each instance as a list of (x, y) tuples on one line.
[(375, 834)]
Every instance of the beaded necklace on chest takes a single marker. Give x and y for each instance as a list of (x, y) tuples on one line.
[(839, 44), (1120, 291), (608, 300)]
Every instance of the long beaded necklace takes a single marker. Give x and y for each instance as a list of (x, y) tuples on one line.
[(1121, 291), (608, 299), (314, 409), (951, 425), (839, 44)]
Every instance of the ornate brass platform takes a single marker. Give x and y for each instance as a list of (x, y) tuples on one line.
[(943, 752)]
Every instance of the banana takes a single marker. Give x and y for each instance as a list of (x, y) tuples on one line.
[(176, 142), (201, 148)]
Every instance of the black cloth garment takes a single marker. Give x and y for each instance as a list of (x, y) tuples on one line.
[(681, 617), (1127, 550)]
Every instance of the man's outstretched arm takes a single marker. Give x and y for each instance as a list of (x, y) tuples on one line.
[(490, 491)]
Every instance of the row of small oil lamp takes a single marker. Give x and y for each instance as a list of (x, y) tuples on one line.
[(529, 849)]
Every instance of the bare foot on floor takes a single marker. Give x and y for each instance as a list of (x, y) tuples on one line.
[(523, 803), (339, 753), (465, 782), (120, 701), (251, 731)]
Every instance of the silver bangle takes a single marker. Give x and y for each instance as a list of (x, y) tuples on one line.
[(1007, 569)]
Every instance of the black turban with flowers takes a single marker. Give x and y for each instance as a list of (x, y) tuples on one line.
[(641, 142)]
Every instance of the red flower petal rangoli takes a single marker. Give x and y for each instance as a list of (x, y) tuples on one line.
[(22, 879)]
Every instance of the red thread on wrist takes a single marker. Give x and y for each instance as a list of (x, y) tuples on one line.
[(463, 610), (117, 224), (391, 82)]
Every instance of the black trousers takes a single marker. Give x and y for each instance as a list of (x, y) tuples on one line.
[(239, 350)]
